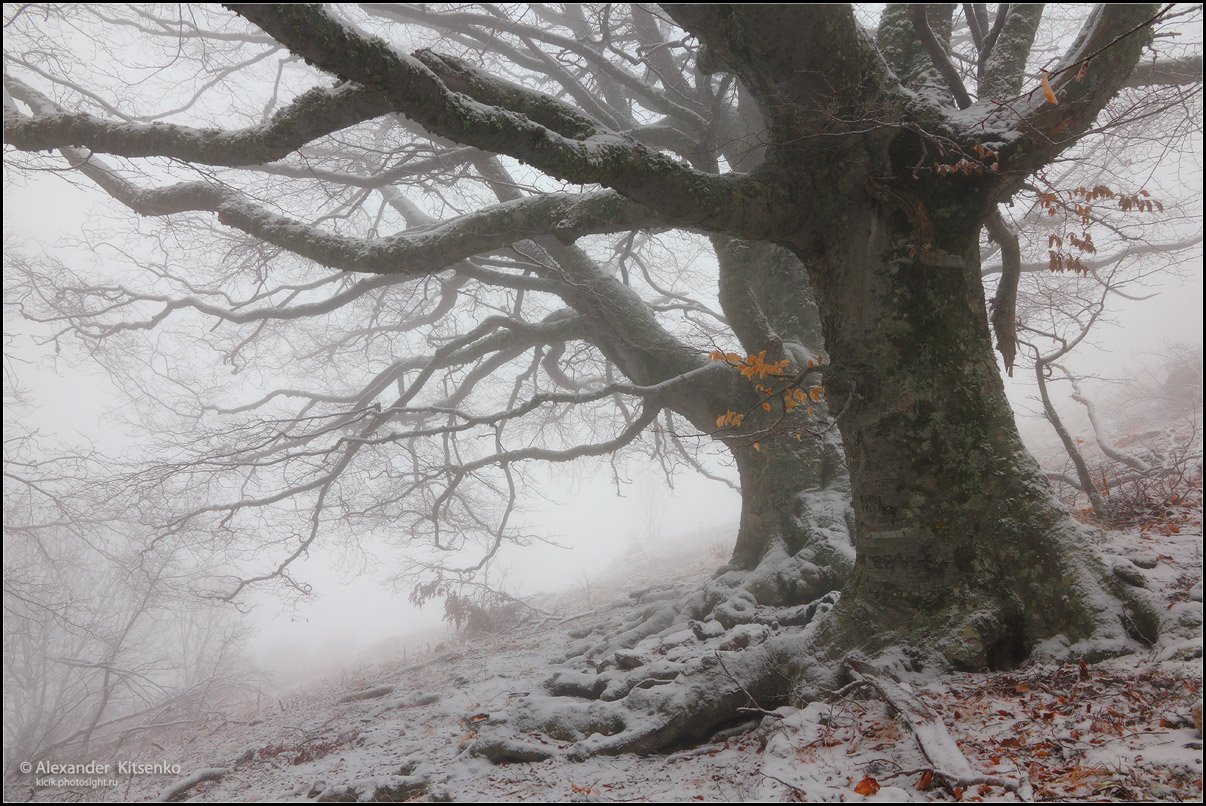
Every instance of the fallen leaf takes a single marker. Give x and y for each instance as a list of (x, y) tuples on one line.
[(867, 786)]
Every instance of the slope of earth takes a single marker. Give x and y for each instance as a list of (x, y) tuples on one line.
[(1120, 730)]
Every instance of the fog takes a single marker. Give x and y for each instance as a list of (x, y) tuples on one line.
[(139, 404)]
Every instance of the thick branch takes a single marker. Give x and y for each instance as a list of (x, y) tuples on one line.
[(178, 789), (417, 252), (946, 759), (1002, 63), (937, 54), (1170, 72), (313, 114), (688, 197), (807, 64), (1092, 72)]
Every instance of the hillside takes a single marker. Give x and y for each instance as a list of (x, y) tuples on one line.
[(1120, 730)]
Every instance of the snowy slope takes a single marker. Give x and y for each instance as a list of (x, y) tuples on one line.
[(1120, 730)]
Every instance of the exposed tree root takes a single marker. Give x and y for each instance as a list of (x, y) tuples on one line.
[(781, 591), (678, 686), (676, 671)]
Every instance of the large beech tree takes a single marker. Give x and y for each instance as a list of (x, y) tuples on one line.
[(842, 178)]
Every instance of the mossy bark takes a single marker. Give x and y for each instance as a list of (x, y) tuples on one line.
[(960, 543)]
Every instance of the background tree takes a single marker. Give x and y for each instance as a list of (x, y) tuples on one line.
[(842, 180), (102, 641)]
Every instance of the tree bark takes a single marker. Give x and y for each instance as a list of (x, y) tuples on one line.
[(794, 492), (960, 543)]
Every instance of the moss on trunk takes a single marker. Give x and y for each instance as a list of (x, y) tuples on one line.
[(960, 544)]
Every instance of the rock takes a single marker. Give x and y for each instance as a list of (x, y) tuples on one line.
[(386, 789), (744, 636), (575, 684), (704, 630), (1188, 615), (400, 788)]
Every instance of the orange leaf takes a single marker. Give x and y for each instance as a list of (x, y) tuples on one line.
[(867, 786), (1048, 93), (927, 780)]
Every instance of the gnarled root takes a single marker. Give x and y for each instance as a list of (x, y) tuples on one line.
[(779, 592), (668, 689)]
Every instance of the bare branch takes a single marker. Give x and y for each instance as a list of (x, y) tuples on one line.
[(679, 193), (312, 115), (938, 57), (1169, 72)]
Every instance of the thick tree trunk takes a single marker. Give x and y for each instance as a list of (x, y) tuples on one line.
[(960, 543)]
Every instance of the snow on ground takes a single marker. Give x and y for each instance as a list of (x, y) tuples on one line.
[(1119, 730)]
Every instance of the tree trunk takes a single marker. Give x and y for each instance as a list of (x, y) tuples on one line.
[(795, 494), (795, 518), (960, 543)]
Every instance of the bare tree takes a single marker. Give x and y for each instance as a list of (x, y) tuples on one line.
[(99, 641), (452, 263), (103, 638)]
